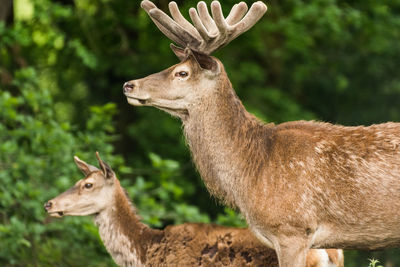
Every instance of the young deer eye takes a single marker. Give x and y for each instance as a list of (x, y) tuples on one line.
[(181, 74), (88, 185)]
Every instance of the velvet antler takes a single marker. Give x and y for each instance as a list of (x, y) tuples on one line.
[(208, 33)]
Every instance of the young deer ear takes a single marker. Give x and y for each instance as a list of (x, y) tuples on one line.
[(84, 167), (179, 52), (106, 169)]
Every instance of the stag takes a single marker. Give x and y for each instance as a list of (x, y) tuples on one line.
[(299, 185), (132, 243)]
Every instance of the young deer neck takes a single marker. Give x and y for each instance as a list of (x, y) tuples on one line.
[(222, 137), (125, 237)]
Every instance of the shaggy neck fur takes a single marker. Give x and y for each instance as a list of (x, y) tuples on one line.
[(228, 144), (124, 236)]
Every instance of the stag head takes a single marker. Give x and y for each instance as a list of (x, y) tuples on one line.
[(178, 88), (89, 195)]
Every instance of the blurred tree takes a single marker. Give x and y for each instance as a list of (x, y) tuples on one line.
[(6, 12)]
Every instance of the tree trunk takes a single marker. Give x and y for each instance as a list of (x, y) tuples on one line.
[(6, 11), (6, 15)]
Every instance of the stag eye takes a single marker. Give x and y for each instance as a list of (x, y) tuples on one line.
[(181, 74), (88, 185)]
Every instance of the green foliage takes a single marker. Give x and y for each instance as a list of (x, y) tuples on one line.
[(62, 66), (230, 218), (373, 263), (35, 165)]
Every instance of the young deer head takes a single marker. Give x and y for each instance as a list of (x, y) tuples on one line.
[(89, 195)]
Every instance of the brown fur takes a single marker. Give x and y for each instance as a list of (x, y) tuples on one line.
[(195, 244), (299, 184)]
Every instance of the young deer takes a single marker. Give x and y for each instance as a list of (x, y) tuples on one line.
[(132, 243), (300, 185)]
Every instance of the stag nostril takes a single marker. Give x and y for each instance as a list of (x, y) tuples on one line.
[(48, 205), (128, 86)]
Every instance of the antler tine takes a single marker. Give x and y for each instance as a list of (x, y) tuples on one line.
[(169, 27), (147, 6), (177, 16), (205, 17), (184, 37), (199, 25), (237, 13), (219, 19), (257, 10)]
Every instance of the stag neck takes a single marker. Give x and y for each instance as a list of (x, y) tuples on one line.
[(222, 137), (126, 238)]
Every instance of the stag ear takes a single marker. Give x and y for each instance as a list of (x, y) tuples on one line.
[(105, 168), (206, 62), (179, 52), (84, 167)]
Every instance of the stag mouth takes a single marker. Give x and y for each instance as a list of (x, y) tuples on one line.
[(137, 101)]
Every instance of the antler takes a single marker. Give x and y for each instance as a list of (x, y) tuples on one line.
[(208, 33)]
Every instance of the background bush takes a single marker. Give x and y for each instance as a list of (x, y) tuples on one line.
[(62, 66)]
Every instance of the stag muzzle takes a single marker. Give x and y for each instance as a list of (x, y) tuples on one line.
[(133, 94), (128, 87), (49, 208), (48, 205)]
